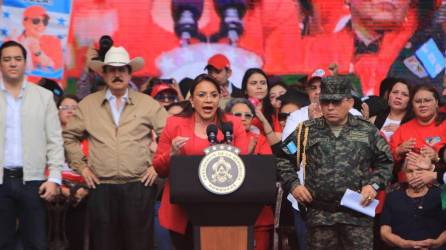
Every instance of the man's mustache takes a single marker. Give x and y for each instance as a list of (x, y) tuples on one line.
[(117, 79)]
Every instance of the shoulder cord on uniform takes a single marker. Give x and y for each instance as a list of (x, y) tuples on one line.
[(302, 146), (304, 152), (299, 132)]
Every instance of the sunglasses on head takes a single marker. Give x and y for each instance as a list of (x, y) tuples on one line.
[(244, 115), (283, 116), (166, 97), (37, 21)]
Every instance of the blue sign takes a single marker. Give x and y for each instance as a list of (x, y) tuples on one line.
[(431, 58)]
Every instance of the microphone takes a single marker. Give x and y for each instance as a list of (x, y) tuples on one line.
[(227, 132), (211, 132)]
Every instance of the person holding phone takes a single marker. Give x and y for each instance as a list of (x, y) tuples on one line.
[(255, 86)]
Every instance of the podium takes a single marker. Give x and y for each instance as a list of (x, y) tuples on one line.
[(223, 221)]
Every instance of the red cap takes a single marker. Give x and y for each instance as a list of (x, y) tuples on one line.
[(317, 74), (34, 11), (218, 61), (162, 87)]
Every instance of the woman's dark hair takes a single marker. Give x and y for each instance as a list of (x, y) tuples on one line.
[(72, 97), (278, 83), (385, 86), (427, 87), (248, 74), (188, 110), (381, 117), (268, 109), (409, 112)]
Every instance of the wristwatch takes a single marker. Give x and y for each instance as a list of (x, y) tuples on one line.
[(375, 186), (38, 53)]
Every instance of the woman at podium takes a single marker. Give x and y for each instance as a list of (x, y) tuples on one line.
[(186, 134)]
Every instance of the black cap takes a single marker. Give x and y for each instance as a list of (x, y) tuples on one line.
[(335, 88)]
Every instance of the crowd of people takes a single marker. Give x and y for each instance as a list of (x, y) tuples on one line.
[(107, 152)]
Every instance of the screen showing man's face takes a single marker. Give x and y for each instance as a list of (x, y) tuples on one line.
[(380, 14)]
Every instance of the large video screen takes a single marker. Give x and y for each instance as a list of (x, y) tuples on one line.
[(372, 39)]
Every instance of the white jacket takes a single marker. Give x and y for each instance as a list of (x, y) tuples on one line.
[(42, 142)]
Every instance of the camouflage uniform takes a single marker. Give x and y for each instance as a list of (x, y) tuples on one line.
[(358, 156)]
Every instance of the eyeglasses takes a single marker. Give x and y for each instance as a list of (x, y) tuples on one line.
[(37, 21), (244, 115), (423, 100), (283, 116), (68, 107), (167, 98)]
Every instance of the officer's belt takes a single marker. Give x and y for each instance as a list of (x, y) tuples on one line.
[(332, 207)]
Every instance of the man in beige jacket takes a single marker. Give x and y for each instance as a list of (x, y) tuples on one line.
[(118, 124), (31, 139)]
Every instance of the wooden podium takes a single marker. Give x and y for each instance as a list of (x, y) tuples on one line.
[(223, 222)]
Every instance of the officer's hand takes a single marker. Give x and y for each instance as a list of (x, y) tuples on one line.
[(368, 193), (48, 190), (302, 194), (90, 178), (149, 177)]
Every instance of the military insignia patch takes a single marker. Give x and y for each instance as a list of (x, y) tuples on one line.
[(221, 171)]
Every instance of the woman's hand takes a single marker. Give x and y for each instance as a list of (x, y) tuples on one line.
[(177, 143), (392, 127), (314, 110), (429, 153), (260, 115), (176, 86), (252, 144), (406, 146), (365, 111)]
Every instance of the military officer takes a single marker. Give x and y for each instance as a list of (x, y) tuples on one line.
[(338, 151)]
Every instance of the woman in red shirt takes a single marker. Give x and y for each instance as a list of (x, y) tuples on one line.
[(255, 86), (241, 107), (185, 134), (426, 133)]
